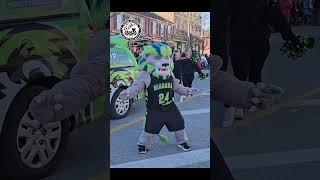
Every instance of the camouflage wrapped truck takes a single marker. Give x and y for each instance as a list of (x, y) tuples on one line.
[(40, 42)]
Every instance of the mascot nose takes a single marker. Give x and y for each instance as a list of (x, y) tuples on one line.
[(165, 64)]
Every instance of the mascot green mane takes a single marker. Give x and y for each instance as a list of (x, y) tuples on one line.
[(152, 53)]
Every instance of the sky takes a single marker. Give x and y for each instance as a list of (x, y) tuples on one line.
[(206, 20)]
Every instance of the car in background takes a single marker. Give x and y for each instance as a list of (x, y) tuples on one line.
[(123, 71), (40, 42)]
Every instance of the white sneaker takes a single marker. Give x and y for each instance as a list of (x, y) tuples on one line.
[(238, 113), (182, 97), (228, 117)]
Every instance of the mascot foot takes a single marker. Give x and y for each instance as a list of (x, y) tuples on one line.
[(182, 98), (238, 114), (228, 117), (142, 149), (184, 146)]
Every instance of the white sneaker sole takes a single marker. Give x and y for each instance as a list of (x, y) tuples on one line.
[(142, 152), (183, 149)]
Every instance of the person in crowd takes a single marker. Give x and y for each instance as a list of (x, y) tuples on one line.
[(241, 19), (188, 70), (177, 65), (249, 33), (316, 12), (307, 11), (294, 12), (286, 7)]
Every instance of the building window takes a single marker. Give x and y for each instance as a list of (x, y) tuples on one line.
[(159, 29), (120, 19), (150, 27), (154, 28), (162, 29), (146, 27), (142, 26), (169, 30)]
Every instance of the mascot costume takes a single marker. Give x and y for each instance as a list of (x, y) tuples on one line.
[(156, 79)]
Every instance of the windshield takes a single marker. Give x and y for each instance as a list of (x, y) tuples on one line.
[(121, 58)]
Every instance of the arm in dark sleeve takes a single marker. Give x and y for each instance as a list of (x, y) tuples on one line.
[(219, 23), (279, 22)]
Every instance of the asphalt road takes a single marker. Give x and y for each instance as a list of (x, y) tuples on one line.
[(86, 155), (125, 132), (282, 142)]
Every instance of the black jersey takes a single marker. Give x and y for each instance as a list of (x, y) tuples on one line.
[(159, 94)]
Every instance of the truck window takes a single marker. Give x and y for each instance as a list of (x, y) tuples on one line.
[(120, 58)]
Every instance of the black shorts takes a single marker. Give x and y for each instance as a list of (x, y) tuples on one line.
[(157, 118)]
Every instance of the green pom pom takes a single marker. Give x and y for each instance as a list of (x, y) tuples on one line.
[(163, 139)]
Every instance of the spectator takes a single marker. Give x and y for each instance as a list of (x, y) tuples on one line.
[(307, 11), (316, 12), (294, 12), (286, 7), (187, 70), (177, 64)]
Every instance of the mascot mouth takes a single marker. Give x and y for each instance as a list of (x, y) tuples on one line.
[(163, 69)]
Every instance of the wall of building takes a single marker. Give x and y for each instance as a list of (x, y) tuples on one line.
[(152, 28)]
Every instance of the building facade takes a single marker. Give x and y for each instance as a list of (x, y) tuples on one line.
[(154, 27), (205, 42), (187, 29)]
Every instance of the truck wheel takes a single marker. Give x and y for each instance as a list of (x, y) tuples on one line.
[(29, 149), (119, 108)]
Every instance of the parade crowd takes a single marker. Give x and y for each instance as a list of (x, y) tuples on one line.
[(300, 12)]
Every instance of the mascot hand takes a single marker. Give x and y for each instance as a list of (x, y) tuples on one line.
[(124, 95), (46, 107), (264, 95)]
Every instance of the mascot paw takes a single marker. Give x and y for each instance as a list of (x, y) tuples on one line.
[(46, 106), (124, 95), (264, 95)]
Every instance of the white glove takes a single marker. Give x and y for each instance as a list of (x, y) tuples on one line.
[(46, 107), (264, 95), (125, 95)]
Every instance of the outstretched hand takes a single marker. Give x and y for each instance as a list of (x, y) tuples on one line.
[(124, 95), (46, 107), (264, 95)]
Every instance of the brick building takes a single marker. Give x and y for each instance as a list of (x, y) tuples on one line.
[(206, 42), (185, 24), (154, 27)]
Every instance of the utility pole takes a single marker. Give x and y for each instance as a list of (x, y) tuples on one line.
[(189, 45)]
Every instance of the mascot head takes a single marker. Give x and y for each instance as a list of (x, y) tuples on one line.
[(156, 60)]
